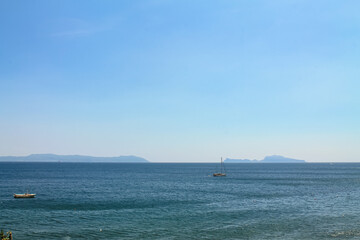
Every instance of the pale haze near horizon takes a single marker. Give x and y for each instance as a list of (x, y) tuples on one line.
[(181, 81)]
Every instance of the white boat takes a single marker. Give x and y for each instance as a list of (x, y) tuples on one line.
[(24, 195)]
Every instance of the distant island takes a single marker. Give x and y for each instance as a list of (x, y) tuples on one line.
[(72, 158), (268, 159)]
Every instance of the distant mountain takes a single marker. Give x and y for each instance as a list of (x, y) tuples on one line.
[(268, 159), (230, 160), (72, 158), (280, 159)]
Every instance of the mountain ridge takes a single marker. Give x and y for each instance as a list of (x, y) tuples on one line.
[(267, 159)]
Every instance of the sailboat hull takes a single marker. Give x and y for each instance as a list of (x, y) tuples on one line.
[(219, 175)]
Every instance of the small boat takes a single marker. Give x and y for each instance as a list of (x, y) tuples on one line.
[(222, 170), (25, 195)]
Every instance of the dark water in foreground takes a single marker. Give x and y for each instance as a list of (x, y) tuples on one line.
[(180, 201)]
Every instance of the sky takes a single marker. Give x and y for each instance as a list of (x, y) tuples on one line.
[(181, 81)]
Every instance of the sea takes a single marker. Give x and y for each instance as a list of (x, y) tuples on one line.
[(181, 201)]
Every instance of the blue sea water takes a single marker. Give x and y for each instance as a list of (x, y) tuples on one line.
[(180, 201)]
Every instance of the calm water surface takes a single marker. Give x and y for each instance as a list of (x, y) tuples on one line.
[(180, 201)]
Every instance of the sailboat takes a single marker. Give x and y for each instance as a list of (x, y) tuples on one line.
[(222, 170)]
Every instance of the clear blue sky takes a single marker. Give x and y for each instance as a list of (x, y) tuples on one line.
[(181, 80)]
